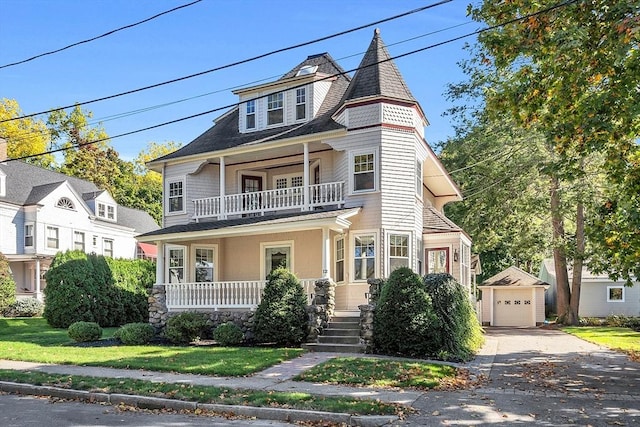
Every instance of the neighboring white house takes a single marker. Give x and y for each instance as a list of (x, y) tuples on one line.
[(43, 212), (328, 175), (599, 295)]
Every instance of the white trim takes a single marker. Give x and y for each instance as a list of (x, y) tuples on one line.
[(33, 234), (387, 258), (350, 272), (335, 257), (262, 175), (192, 259), (84, 239), (167, 185), (104, 239), (609, 288), (267, 110), (185, 257), (277, 244), (376, 170), (288, 177)]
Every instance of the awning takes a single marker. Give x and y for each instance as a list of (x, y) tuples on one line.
[(149, 250)]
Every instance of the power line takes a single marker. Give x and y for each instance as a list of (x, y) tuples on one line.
[(108, 33), (233, 64), (235, 104)]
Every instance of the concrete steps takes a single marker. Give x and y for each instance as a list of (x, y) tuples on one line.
[(341, 336)]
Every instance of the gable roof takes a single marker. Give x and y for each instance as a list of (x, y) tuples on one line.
[(513, 276), (27, 184), (378, 75)]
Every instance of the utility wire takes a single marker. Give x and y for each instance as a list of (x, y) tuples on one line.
[(235, 104), (233, 64), (100, 36)]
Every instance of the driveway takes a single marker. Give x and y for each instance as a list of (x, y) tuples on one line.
[(540, 377)]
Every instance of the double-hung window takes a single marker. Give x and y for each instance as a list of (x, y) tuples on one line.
[(363, 169), (78, 241), (176, 196), (53, 238), (250, 121), (437, 260), (28, 235), (398, 251), (176, 265), (364, 257), (339, 273), (275, 108), (301, 103), (107, 248), (204, 264)]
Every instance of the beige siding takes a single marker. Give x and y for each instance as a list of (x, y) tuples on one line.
[(487, 307), (349, 297), (540, 305)]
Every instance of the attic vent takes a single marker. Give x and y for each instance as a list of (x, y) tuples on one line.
[(65, 203), (307, 69)]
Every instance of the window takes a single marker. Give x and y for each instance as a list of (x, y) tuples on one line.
[(176, 196), (615, 293), (106, 211), (398, 251), (28, 235), (176, 265), (465, 265), (419, 178), (95, 240), (101, 210), (78, 241), (65, 203), (53, 241), (437, 260), (339, 273), (275, 256), (275, 109), (107, 247), (204, 264), (363, 169), (250, 122), (301, 104), (364, 257), (287, 181), (111, 212)]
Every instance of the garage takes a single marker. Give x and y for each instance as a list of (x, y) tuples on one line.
[(513, 297)]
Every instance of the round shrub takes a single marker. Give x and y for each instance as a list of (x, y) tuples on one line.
[(85, 331), (457, 334), (26, 307), (135, 333), (228, 334), (187, 327), (404, 316), (281, 316), (7, 284)]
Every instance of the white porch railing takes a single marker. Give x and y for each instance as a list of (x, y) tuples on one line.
[(216, 295), (259, 202)]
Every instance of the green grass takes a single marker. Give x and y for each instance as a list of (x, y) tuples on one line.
[(205, 394), (378, 373), (32, 340), (624, 339)]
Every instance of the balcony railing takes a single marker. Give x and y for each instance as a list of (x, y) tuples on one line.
[(259, 202), (245, 294)]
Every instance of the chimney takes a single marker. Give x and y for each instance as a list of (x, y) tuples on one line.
[(3, 149)]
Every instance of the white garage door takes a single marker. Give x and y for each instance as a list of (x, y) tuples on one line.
[(513, 307)]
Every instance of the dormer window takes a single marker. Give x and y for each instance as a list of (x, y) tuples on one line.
[(301, 103), (65, 203), (251, 115), (275, 109), (307, 69), (106, 211)]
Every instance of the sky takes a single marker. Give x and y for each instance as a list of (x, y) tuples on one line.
[(206, 35)]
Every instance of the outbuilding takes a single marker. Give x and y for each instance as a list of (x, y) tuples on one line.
[(513, 297)]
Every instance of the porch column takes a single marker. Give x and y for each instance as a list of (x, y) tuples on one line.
[(326, 252), (305, 176), (223, 185), (38, 278), (160, 264)]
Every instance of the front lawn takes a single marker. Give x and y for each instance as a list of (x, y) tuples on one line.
[(378, 373), (615, 338), (33, 340)]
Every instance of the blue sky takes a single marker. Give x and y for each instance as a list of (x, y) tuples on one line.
[(204, 36)]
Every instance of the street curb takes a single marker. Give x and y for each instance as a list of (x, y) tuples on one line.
[(148, 402)]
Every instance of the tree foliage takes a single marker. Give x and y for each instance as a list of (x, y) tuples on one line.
[(24, 137), (7, 284)]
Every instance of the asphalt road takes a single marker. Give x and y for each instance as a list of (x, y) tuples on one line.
[(21, 411)]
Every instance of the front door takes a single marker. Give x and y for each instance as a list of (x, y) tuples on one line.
[(251, 202)]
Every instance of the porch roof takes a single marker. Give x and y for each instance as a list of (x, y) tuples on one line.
[(513, 276), (333, 218)]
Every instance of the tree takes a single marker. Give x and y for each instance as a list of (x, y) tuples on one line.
[(24, 137), (7, 284), (571, 74)]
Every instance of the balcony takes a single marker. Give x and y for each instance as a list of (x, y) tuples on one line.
[(261, 202), (221, 295)]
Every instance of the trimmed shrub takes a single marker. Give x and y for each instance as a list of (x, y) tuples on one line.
[(457, 335), (228, 334), (404, 316), (7, 284), (135, 333), (281, 316), (93, 288), (26, 307), (187, 327), (85, 331)]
